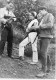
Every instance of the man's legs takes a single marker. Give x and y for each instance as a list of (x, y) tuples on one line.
[(3, 40), (10, 41), (22, 45), (44, 45), (35, 52), (33, 39)]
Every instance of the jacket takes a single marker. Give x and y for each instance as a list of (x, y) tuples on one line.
[(47, 26)]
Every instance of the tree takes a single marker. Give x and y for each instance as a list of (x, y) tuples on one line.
[(1, 4)]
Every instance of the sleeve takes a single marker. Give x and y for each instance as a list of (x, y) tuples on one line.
[(2, 12), (29, 26), (49, 24), (51, 20), (12, 15), (33, 25)]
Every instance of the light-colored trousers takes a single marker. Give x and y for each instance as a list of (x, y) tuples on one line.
[(32, 37)]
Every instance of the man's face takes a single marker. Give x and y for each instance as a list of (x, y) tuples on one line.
[(31, 17), (10, 7), (41, 14)]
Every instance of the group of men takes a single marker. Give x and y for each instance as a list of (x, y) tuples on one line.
[(40, 26)]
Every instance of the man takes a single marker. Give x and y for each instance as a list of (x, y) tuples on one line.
[(46, 34), (32, 37), (7, 32)]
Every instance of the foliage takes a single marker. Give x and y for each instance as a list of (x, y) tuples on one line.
[(1, 4), (22, 7)]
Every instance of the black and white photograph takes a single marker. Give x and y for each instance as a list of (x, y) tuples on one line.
[(27, 39)]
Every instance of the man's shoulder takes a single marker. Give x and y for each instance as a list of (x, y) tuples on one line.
[(35, 20), (2, 10), (51, 15)]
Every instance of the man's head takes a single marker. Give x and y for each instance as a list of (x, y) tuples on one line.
[(32, 15), (10, 7), (8, 1), (41, 12)]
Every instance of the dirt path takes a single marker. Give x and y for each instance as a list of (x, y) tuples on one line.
[(14, 68)]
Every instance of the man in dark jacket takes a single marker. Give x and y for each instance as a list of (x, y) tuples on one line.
[(7, 32)]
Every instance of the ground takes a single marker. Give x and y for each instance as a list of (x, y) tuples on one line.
[(15, 68)]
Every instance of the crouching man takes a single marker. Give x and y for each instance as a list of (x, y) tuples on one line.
[(32, 37)]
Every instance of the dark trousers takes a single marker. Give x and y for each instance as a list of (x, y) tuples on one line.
[(6, 35), (45, 56)]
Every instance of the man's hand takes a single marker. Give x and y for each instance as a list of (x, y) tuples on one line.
[(27, 30), (9, 21), (4, 21)]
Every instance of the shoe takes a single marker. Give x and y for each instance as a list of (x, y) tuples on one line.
[(0, 56), (50, 69), (40, 75), (10, 56), (21, 58), (31, 62)]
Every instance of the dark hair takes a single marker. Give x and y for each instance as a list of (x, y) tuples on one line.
[(41, 8), (35, 16)]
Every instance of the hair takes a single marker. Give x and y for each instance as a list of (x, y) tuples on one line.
[(42, 8), (34, 14), (10, 6)]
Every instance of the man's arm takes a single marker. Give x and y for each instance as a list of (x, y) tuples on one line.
[(49, 24), (33, 25), (29, 26), (12, 15), (2, 19)]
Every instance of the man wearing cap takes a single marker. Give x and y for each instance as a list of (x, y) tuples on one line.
[(7, 32), (46, 34), (32, 37)]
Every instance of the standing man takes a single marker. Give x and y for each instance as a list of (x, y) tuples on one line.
[(32, 37), (46, 34), (7, 32)]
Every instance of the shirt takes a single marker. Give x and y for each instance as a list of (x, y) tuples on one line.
[(46, 26), (33, 25), (3, 12)]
